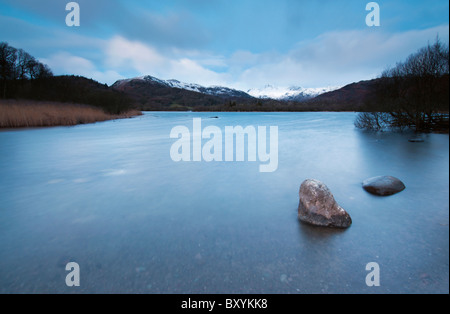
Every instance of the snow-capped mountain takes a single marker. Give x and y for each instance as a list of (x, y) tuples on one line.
[(268, 92), (289, 93), (213, 90)]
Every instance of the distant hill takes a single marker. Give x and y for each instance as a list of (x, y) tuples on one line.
[(150, 93), (74, 89), (352, 97), (358, 96), (293, 93), (220, 91)]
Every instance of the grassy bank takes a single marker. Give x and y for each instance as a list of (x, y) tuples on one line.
[(21, 113)]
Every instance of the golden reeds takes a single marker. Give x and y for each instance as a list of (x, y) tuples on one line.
[(18, 113)]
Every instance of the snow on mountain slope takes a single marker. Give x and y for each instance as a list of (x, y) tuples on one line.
[(290, 93), (213, 90), (268, 92)]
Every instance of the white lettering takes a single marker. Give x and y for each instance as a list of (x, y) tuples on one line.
[(373, 18), (373, 278), (73, 278), (73, 18), (212, 150)]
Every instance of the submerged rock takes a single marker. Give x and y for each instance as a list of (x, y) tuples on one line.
[(318, 206), (383, 186)]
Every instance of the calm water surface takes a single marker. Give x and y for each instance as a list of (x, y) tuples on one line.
[(109, 197)]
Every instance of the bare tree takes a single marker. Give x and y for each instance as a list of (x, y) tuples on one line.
[(8, 58), (44, 71), (32, 68), (23, 59), (375, 121), (413, 93)]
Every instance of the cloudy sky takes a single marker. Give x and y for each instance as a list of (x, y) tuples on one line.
[(237, 43)]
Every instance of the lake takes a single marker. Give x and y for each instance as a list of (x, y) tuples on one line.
[(109, 197)]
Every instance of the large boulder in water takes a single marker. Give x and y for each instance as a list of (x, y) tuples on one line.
[(318, 206), (383, 186)]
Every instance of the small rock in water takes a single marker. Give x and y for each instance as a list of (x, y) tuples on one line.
[(416, 140), (383, 186), (318, 206)]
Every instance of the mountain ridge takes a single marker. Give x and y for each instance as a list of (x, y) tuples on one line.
[(151, 93), (293, 93), (220, 91)]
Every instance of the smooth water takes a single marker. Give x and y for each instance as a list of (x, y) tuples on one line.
[(109, 197)]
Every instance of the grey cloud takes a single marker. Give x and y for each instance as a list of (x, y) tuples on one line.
[(109, 17), (40, 40), (337, 58), (173, 30)]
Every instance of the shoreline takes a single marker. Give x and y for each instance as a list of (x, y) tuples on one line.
[(30, 114), (24, 114)]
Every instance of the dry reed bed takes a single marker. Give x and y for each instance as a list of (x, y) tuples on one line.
[(17, 114)]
